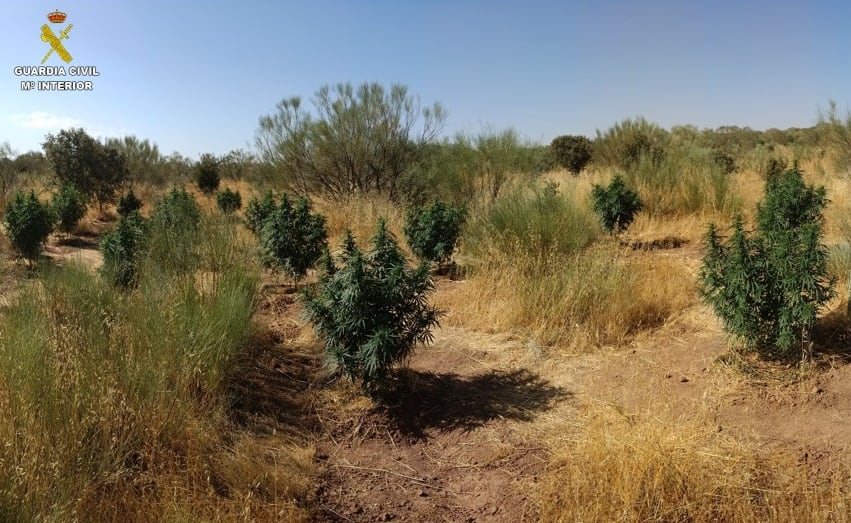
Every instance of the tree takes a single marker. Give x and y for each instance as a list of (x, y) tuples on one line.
[(572, 152), (69, 207), (28, 223), (96, 170), (615, 205), (432, 232), (207, 174), (355, 141), (293, 238), (767, 287), (372, 309)]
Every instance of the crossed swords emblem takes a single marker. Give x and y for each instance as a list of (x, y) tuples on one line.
[(55, 42)]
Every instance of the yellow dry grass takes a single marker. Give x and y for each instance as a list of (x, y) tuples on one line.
[(599, 296), (614, 467)]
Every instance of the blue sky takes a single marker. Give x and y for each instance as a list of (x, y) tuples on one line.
[(195, 76)]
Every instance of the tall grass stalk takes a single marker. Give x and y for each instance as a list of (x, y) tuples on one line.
[(533, 221), (104, 391), (589, 298), (685, 181)]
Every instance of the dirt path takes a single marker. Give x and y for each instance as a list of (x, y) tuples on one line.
[(451, 448)]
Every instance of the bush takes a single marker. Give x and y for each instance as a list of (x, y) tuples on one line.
[(624, 144), (539, 220), (293, 238), (472, 167), (229, 201), (258, 210), (128, 386), (685, 179), (357, 139), (433, 232), (641, 148), (128, 203), (615, 205), (572, 152), (372, 310), (69, 207), (28, 223), (96, 170), (767, 287), (123, 249), (724, 161), (207, 174), (174, 227)]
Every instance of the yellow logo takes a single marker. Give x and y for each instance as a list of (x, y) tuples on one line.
[(55, 42)]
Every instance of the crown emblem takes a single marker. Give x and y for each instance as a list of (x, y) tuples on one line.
[(56, 17)]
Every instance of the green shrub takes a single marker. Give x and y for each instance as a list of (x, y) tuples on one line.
[(123, 249), (174, 231), (470, 167), (104, 389), (538, 220), (834, 133), (96, 170), (624, 144), (686, 179), (128, 203), (433, 232), (207, 174), (372, 309), (724, 161), (229, 201), (356, 139), (572, 152), (28, 223), (767, 287), (257, 210), (293, 238), (615, 205), (641, 148), (69, 207)]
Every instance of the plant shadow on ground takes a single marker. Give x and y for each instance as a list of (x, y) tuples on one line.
[(831, 347), (79, 242), (419, 402), (832, 336), (272, 387)]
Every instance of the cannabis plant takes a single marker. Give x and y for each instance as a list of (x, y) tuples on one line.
[(615, 205), (293, 238), (768, 286), (28, 223), (69, 206), (371, 309), (433, 232)]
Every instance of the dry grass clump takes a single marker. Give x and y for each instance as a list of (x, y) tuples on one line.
[(360, 214), (114, 404), (598, 296), (624, 468)]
